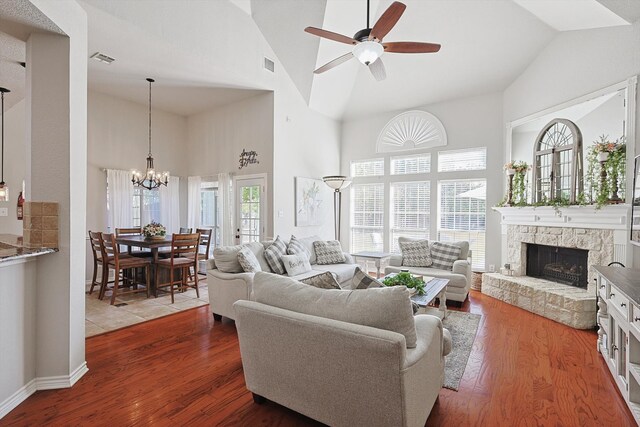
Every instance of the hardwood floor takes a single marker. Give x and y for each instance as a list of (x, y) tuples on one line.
[(183, 369)]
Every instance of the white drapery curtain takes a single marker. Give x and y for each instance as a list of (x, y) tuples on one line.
[(120, 200), (170, 205), (225, 200), (193, 200)]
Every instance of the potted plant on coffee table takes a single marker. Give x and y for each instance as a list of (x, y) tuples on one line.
[(404, 278)]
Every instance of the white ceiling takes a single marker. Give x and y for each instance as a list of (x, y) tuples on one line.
[(568, 15), (203, 54)]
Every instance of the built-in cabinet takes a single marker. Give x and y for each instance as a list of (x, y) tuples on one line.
[(619, 329)]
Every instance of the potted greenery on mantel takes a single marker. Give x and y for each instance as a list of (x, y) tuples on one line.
[(605, 177)]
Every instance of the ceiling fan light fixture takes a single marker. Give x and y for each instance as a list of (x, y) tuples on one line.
[(368, 52)]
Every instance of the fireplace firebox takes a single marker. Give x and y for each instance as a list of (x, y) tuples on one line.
[(558, 264)]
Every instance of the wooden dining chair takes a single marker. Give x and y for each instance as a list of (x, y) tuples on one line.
[(122, 263), (183, 256), (95, 240), (132, 231), (185, 230), (204, 247)]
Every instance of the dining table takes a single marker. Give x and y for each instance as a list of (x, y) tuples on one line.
[(143, 242), (154, 245)]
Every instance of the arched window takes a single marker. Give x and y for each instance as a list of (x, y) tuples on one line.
[(557, 162)]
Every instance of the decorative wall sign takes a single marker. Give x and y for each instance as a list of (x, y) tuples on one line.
[(310, 201), (248, 158)]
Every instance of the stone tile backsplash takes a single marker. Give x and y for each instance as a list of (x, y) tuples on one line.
[(40, 225)]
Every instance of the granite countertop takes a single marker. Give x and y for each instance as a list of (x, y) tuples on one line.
[(11, 248)]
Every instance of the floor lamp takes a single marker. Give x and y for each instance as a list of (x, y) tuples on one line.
[(337, 183)]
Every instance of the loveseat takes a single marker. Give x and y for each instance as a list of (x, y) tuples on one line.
[(459, 276), (227, 288), (316, 352)]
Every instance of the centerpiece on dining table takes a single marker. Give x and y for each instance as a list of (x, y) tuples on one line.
[(154, 231)]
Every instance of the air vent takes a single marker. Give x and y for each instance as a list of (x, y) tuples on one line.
[(269, 64), (102, 58)]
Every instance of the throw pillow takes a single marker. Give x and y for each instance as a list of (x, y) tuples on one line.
[(248, 260), (444, 255), (416, 254), (273, 254), (328, 252), (296, 264), (295, 248), (362, 280), (307, 242), (386, 308), (325, 280), (226, 258)]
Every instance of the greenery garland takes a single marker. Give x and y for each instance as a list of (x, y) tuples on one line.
[(615, 166)]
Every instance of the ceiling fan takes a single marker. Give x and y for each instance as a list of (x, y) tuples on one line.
[(367, 43)]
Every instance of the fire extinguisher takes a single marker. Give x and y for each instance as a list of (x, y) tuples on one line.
[(19, 209)]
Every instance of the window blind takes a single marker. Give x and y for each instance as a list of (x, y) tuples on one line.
[(462, 215), (410, 211), (374, 167), (458, 160), (367, 217), (419, 163)]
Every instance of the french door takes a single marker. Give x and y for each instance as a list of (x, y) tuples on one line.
[(250, 209)]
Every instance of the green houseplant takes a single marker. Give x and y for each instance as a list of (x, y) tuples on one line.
[(404, 278), (519, 170), (612, 156)]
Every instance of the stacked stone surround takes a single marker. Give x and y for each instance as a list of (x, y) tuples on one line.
[(598, 242), (569, 305)]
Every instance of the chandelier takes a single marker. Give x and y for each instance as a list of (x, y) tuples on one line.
[(4, 189), (150, 179)]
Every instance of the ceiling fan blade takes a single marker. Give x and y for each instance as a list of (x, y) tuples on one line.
[(329, 65), (330, 35), (377, 69), (387, 21), (411, 47)]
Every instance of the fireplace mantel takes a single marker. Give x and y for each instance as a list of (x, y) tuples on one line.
[(612, 217)]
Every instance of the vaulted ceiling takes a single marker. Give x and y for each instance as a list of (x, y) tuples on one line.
[(205, 54)]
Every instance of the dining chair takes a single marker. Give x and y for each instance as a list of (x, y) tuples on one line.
[(183, 256), (131, 231), (205, 244), (95, 240), (185, 230), (122, 263)]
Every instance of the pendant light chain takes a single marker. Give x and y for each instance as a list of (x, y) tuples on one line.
[(2, 178), (149, 117), (368, 13)]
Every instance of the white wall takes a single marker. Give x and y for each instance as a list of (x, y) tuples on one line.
[(469, 122), (217, 137), (118, 139), (15, 164), (575, 64), (306, 144)]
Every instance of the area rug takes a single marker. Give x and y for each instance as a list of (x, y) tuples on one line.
[(463, 327)]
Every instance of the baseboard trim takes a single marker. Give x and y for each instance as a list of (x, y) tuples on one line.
[(62, 381), (42, 383), (17, 398)]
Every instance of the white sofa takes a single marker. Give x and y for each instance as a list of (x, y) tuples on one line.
[(459, 277), (227, 288), (339, 372)]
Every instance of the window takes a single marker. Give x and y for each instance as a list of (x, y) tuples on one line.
[(373, 167), (462, 160), (210, 211), (410, 208), (462, 215), (405, 165), (367, 217), (146, 206)]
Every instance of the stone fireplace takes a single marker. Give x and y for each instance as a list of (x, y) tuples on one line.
[(564, 246)]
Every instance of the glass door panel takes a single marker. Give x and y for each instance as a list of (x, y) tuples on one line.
[(250, 208)]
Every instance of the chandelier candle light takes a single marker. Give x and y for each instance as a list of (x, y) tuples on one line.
[(4, 189), (150, 179), (337, 183)]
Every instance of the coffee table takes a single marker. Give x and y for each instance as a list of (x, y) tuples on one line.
[(434, 288)]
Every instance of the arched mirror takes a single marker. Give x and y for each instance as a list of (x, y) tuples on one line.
[(557, 161)]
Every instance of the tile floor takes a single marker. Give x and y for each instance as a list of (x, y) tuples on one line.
[(102, 317)]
